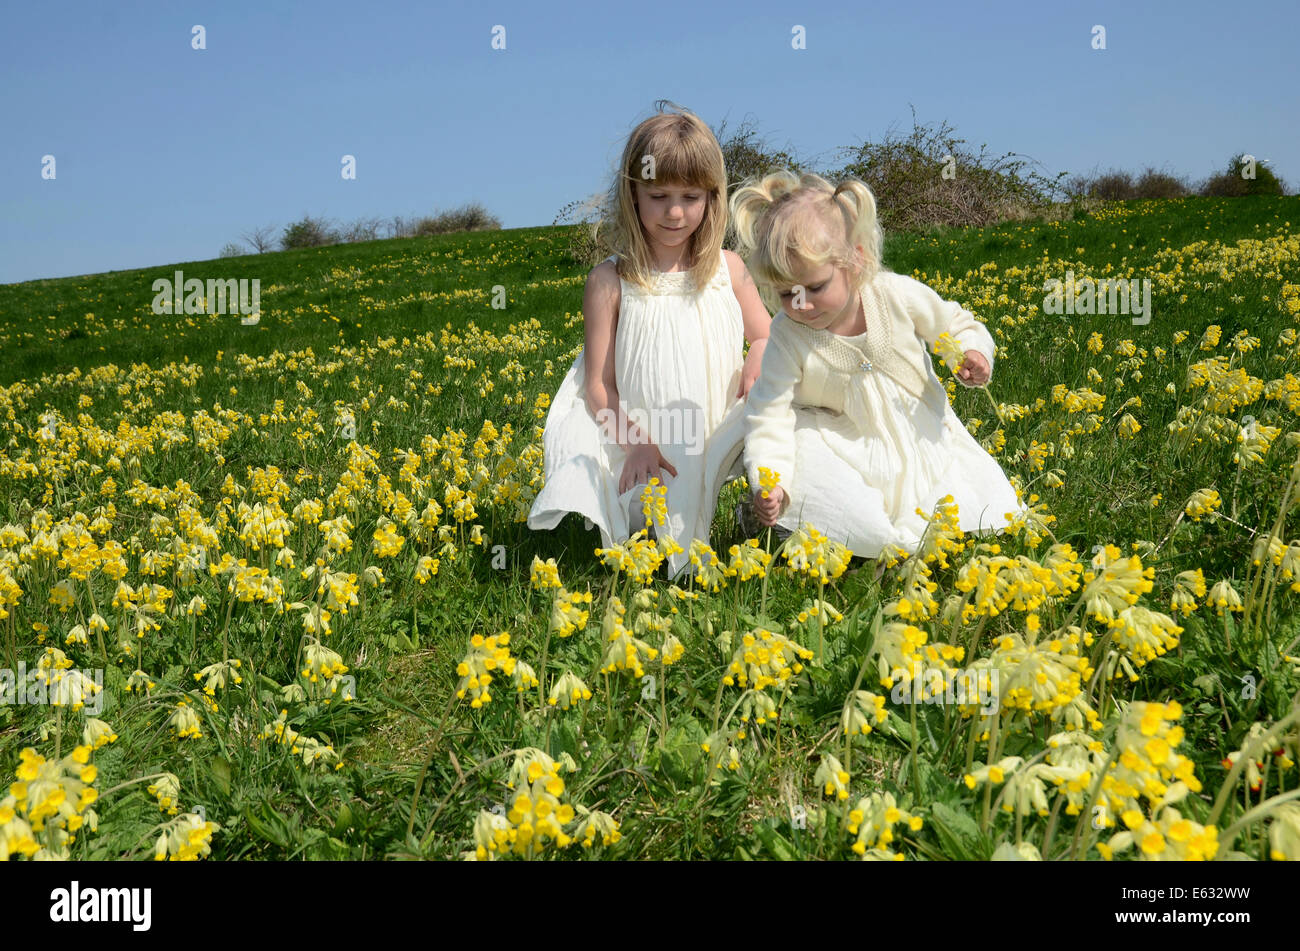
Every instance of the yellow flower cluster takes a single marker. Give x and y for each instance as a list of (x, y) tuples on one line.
[(310, 749), (544, 574), (832, 777), (764, 658), (623, 649), (186, 838), (1202, 503), (1148, 765), (810, 552), (872, 821), (1188, 586), (862, 711), (52, 800), (538, 813), (710, 573), (486, 654), (654, 503), (749, 560), (949, 351), (567, 613), (639, 557), (567, 691)]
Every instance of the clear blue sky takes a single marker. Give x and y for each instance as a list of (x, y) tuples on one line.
[(165, 153)]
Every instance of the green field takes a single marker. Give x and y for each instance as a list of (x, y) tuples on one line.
[(191, 456)]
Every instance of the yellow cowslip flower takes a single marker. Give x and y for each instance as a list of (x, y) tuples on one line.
[(1114, 582), (1224, 595), (486, 654), (387, 543), (596, 823), (1284, 833), (1144, 634), (1201, 503), (524, 676), (764, 658), (767, 480), (832, 777), (623, 651), (710, 573), (872, 822), (815, 608), (1188, 586), (810, 552), (756, 707), (425, 568), (748, 561), (1169, 838), (321, 664), (567, 613), (544, 574), (184, 722), (1210, 339), (654, 504), (671, 651), (139, 682), (186, 838), (97, 733), (862, 711), (1148, 765), (995, 774), (567, 691), (217, 675), (949, 351), (167, 790)]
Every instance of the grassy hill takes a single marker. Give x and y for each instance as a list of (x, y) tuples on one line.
[(195, 457)]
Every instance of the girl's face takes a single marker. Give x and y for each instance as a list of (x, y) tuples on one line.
[(670, 214), (822, 298)]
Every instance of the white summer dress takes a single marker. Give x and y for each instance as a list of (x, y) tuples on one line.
[(678, 358), (862, 474)]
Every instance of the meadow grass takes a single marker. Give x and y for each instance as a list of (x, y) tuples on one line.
[(400, 338)]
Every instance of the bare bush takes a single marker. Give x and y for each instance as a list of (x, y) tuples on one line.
[(362, 229), (929, 179), (260, 239)]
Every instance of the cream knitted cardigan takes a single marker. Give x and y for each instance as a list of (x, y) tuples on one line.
[(807, 367)]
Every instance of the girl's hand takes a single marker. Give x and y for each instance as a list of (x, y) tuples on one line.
[(750, 371), (974, 369), (769, 509), (644, 462)]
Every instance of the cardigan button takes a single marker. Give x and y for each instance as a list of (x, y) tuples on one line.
[(865, 365)]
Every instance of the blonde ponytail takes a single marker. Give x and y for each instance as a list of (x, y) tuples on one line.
[(786, 222)]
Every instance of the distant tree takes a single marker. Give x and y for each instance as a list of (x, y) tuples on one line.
[(260, 239), (232, 250), (1230, 183), (308, 233)]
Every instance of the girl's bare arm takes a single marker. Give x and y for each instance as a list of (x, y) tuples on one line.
[(600, 303)]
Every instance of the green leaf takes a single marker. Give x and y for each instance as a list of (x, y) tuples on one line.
[(957, 833), (681, 756), (221, 773), (775, 843)]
